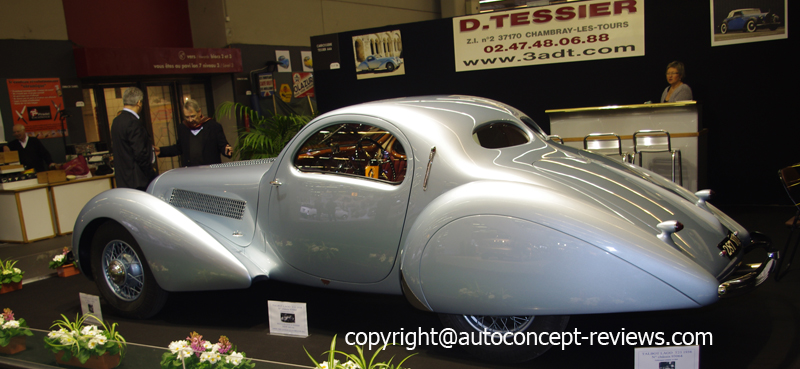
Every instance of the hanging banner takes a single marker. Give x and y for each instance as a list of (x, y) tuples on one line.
[(589, 30), (303, 84), (37, 103)]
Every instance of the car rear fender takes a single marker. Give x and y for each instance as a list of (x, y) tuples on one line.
[(182, 255), (563, 256)]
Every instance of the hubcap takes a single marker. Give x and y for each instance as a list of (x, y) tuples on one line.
[(499, 324), (122, 270)]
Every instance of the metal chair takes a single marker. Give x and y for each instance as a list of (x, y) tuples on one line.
[(608, 144), (658, 140), (556, 138), (790, 177)]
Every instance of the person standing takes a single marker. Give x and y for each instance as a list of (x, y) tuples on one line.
[(133, 151), (32, 154), (677, 90), (201, 139)]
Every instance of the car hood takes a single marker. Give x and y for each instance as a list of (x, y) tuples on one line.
[(641, 198)]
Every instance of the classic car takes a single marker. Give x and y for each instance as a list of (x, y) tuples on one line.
[(749, 19), (459, 203), (373, 63)]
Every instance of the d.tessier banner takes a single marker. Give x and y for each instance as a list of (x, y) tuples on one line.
[(587, 30)]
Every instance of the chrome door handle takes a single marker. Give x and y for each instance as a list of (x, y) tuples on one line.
[(276, 182)]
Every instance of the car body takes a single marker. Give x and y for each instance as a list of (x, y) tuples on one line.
[(459, 203), (749, 20), (375, 63)]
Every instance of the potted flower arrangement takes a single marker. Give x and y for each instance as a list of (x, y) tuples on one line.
[(10, 277), (13, 333), (85, 345), (63, 263), (196, 353), (355, 361)]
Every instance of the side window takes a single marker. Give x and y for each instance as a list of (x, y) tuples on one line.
[(499, 134), (354, 149)]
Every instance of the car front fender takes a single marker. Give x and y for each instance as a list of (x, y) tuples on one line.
[(182, 255), (485, 249)]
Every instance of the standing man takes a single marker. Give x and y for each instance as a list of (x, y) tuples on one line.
[(32, 154), (200, 139), (133, 152)]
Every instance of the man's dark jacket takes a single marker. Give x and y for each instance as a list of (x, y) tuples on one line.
[(133, 152), (33, 155), (211, 143)]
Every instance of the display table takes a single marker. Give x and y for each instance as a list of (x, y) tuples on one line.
[(26, 214), (44, 210), (680, 119), (69, 198)]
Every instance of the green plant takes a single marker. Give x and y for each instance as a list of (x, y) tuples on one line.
[(9, 327), (83, 341), (60, 259), (268, 134), (196, 353), (8, 273), (354, 361)]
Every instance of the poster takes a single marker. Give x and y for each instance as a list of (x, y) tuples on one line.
[(765, 20), (266, 85), (588, 30), (303, 85), (308, 62), (284, 61), (37, 104), (379, 55)]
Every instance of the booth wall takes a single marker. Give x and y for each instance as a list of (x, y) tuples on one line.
[(743, 89)]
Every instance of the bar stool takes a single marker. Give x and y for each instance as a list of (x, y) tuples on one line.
[(658, 140), (608, 144)]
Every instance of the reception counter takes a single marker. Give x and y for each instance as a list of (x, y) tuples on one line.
[(46, 210), (680, 119)]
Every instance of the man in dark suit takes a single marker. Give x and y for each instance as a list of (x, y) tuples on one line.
[(133, 151), (201, 140), (32, 154)]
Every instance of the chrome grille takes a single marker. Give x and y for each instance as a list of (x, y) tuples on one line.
[(243, 162), (206, 203)]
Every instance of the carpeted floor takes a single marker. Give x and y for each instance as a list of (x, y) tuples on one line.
[(758, 330)]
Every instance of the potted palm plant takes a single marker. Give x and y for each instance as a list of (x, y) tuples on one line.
[(268, 134)]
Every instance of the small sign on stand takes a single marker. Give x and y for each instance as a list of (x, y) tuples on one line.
[(672, 357), (90, 304), (288, 318)]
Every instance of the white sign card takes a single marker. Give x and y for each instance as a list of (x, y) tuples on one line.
[(90, 304), (566, 32), (288, 318), (667, 357)]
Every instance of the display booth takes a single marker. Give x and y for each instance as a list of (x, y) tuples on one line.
[(680, 119)]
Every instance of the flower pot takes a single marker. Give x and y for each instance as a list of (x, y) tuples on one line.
[(8, 287), (16, 345), (95, 362), (67, 270)]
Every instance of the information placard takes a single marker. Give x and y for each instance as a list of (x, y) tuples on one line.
[(90, 304), (667, 357), (288, 318)]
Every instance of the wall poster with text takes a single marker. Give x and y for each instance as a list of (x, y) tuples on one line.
[(37, 103), (568, 32)]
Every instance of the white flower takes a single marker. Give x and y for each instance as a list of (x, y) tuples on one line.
[(17, 271), (66, 339), (89, 330), (213, 357), (11, 324), (7, 271), (207, 345), (351, 365), (234, 358), (185, 352), (58, 258), (101, 339), (2, 320), (204, 357), (215, 347), (324, 364), (174, 346), (92, 344)]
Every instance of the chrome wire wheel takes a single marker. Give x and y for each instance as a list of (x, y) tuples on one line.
[(499, 324), (122, 270)]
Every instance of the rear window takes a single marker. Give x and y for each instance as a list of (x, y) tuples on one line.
[(500, 134)]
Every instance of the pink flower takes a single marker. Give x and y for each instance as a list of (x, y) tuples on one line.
[(197, 343), (224, 344), (8, 314)]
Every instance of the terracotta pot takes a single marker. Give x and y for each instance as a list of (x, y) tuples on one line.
[(67, 270), (8, 287), (95, 362), (16, 345)]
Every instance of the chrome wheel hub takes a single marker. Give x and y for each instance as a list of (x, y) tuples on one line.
[(499, 324), (122, 270)]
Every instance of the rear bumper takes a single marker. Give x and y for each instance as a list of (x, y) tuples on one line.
[(747, 277)]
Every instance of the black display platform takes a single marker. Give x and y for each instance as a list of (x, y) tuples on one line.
[(757, 330)]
